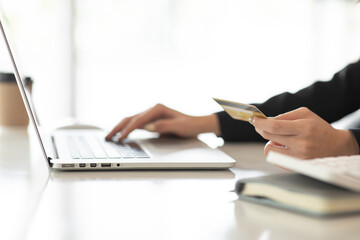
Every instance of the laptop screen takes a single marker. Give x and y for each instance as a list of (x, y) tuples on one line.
[(24, 94)]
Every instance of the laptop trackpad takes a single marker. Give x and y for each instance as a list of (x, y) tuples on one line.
[(183, 150)]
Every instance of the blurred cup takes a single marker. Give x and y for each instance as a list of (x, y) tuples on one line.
[(12, 109)]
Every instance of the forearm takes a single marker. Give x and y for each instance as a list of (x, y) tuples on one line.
[(331, 100)]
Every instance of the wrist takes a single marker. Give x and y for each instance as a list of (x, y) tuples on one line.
[(209, 123), (348, 143)]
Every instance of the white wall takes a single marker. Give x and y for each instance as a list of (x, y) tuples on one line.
[(40, 39), (131, 54)]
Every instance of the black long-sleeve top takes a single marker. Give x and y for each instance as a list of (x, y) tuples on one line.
[(331, 100)]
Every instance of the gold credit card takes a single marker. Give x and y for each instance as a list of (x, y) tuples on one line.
[(240, 111)]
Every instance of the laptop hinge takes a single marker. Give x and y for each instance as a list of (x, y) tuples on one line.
[(49, 161)]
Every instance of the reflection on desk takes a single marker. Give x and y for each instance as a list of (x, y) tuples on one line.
[(136, 205), (22, 182), (281, 224), (144, 204)]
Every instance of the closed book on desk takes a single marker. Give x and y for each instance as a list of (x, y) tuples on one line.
[(299, 193)]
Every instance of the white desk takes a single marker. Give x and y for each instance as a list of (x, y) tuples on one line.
[(144, 204)]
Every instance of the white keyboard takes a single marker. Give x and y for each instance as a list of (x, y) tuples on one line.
[(90, 147), (341, 171)]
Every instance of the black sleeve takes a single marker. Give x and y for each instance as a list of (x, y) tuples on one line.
[(331, 100), (356, 133)]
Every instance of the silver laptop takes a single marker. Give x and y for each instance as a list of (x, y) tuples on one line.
[(86, 149)]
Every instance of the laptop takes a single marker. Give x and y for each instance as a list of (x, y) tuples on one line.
[(86, 149)]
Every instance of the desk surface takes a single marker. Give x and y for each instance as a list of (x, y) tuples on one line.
[(144, 204)]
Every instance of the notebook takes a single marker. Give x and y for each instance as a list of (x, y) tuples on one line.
[(298, 193)]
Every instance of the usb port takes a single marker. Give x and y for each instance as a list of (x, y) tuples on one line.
[(92, 164), (67, 165), (106, 165), (82, 165)]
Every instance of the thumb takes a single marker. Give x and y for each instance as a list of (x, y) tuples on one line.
[(299, 113)]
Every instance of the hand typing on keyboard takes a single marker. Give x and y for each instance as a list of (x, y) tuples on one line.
[(303, 134), (165, 120)]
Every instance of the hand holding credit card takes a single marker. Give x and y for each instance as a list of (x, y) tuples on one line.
[(240, 111)]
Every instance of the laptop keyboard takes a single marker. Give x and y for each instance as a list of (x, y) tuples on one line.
[(82, 147)]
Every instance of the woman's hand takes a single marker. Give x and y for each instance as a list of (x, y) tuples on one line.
[(303, 134), (165, 120)]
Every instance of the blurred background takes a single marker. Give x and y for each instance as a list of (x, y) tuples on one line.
[(100, 61)]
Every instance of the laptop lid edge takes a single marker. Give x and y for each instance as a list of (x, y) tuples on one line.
[(24, 97)]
